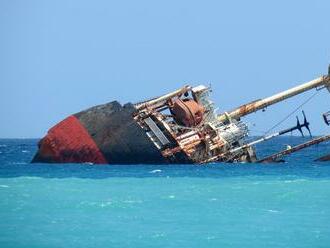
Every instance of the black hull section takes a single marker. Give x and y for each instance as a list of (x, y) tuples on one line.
[(102, 134), (120, 139)]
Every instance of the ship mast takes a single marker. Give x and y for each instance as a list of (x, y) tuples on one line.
[(321, 82)]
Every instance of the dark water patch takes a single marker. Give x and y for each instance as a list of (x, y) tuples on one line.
[(16, 155)]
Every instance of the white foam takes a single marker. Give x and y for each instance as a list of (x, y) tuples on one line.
[(132, 202), (159, 235), (273, 211), (155, 171), (96, 204), (25, 151), (295, 181), (210, 237), (105, 204)]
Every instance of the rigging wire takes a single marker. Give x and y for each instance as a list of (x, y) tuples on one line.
[(291, 113)]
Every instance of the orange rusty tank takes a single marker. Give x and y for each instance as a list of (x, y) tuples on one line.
[(187, 112)]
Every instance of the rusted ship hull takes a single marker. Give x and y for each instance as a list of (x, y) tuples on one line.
[(105, 134), (175, 128), (179, 127)]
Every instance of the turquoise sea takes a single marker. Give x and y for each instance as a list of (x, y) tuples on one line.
[(218, 205)]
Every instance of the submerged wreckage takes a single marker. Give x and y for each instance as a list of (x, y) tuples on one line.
[(179, 127)]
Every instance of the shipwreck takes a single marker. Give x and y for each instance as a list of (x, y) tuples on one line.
[(181, 127)]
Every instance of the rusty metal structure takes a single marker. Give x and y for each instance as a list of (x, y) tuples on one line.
[(326, 118), (278, 156), (178, 127)]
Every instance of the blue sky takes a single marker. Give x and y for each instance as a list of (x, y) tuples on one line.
[(60, 57)]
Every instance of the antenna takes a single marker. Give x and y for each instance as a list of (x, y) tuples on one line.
[(306, 124), (298, 127)]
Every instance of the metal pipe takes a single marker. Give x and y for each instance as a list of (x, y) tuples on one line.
[(254, 142), (263, 103), (265, 138), (163, 98), (276, 156)]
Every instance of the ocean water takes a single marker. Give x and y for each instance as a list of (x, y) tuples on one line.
[(218, 205)]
